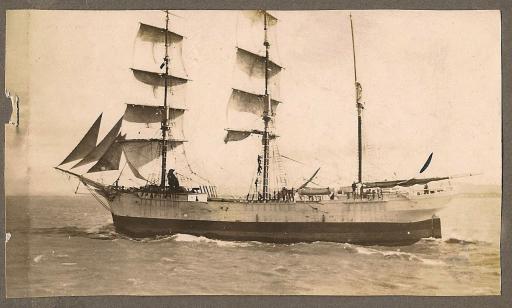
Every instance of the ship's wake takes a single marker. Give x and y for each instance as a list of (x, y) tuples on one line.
[(418, 252)]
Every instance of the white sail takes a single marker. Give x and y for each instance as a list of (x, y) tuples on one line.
[(147, 87), (144, 158), (251, 35), (149, 50), (250, 73), (143, 122), (243, 101)]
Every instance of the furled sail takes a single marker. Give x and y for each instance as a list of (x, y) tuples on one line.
[(98, 152), (86, 145), (403, 183), (236, 135), (239, 134)]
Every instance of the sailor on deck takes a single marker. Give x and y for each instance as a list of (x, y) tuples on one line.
[(174, 183), (359, 189)]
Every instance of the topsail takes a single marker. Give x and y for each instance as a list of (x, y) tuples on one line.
[(150, 48), (250, 35)]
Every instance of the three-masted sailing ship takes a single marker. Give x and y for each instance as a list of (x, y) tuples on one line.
[(147, 141)]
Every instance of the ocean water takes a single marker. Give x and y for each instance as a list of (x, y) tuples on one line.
[(64, 246)]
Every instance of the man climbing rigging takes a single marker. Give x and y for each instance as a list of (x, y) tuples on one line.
[(259, 164)]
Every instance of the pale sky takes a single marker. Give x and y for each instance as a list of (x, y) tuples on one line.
[(431, 83)]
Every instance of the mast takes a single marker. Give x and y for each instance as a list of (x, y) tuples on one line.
[(359, 106), (266, 114), (165, 119)]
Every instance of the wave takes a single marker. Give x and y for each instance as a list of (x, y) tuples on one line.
[(391, 254), (185, 238), (102, 232), (38, 258), (201, 239), (453, 240)]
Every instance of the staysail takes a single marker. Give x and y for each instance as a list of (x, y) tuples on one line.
[(105, 144), (86, 145), (111, 159)]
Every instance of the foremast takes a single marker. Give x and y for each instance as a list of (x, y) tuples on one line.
[(165, 114)]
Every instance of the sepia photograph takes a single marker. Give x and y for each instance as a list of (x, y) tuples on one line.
[(253, 152)]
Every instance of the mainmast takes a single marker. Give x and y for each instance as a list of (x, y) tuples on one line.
[(266, 115), (359, 106), (249, 96), (165, 116)]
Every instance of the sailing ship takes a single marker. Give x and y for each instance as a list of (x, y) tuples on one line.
[(270, 211)]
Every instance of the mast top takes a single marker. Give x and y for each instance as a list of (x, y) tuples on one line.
[(353, 48)]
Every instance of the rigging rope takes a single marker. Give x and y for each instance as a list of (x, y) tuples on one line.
[(94, 194)]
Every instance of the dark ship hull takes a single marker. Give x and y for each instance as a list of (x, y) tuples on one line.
[(398, 221), (365, 233)]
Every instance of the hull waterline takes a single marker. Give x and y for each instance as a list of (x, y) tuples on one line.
[(365, 233)]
